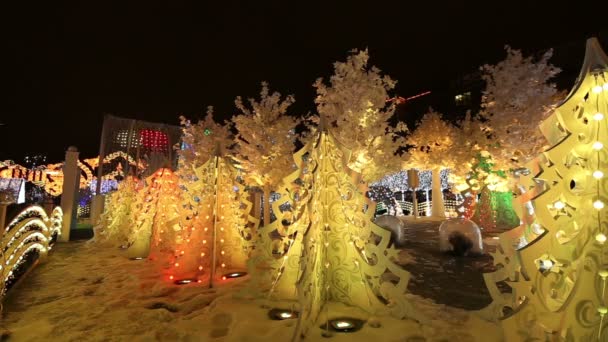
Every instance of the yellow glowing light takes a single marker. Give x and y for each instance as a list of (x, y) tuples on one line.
[(559, 205), (285, 315), (602, 310), (597, 174), (597, 146), (547, 263), (597, 89), (204, 241), (598, 205), (223, 265), (343, 325), (601, 238), (603, 274), (598, 116)]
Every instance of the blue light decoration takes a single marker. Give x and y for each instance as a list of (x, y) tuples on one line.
[(185, 146), (107, 185)]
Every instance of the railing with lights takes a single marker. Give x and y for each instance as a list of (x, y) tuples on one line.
[(31, 231), (424, 208)]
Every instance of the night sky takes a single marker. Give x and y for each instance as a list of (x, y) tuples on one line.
[(68, 64)]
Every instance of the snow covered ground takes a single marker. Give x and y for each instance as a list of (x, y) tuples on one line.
[(88, 293), (443, 278)]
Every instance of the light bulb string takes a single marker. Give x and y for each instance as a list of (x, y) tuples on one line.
[(598, 193)]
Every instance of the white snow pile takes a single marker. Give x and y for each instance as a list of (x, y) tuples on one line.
[(460, 236), (392, 224), (88, 293)]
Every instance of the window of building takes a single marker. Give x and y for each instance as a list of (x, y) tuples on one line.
[(463, 99)]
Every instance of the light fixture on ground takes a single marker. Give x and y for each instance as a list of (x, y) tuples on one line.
[(186, 281), (233, 275), (137, 258), (282, 314), (343, 324)]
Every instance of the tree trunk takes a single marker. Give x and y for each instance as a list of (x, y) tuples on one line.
[(415, 204), (257, 205), (438, 208), (266, 204)]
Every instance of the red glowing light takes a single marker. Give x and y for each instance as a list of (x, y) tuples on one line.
[(153, 140)]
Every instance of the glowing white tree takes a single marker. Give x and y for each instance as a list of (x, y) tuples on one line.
[(266, 137), (517, 98), (201, 141), (433, 147), (355, 106)]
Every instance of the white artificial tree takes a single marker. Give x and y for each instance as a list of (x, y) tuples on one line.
[(201, 140), (355, 104), (433, 144), (517, 98), (266, 137)]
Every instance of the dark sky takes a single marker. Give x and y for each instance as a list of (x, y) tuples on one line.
[(68, 64)]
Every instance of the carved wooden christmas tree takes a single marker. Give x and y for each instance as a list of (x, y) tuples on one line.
[(156, 215), (216, 232), (559, 280), (116, 222), (328, 251)]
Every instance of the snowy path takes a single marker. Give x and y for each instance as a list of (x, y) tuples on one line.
[(87, 293), (445, 279)]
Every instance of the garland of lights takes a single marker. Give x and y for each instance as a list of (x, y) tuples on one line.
[(31, 229), (398, 181)]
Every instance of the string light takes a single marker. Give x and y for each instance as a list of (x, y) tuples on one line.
[(598, 205), (559, 205), (597, 174), (596, 89), (597, 146)]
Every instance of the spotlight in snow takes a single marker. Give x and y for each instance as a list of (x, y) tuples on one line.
[(282, 314), (344, 324), (233, 275), (185, 281)]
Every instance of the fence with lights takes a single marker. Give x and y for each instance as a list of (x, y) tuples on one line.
[(424, 208)]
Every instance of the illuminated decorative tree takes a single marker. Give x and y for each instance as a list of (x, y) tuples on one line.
[(518, 97), (216, 230), (559, 281), (200, 141), (470, 138), (117, 220), (355, 106), (433, 147), (266, 137), (156, 215), (327, 249)]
